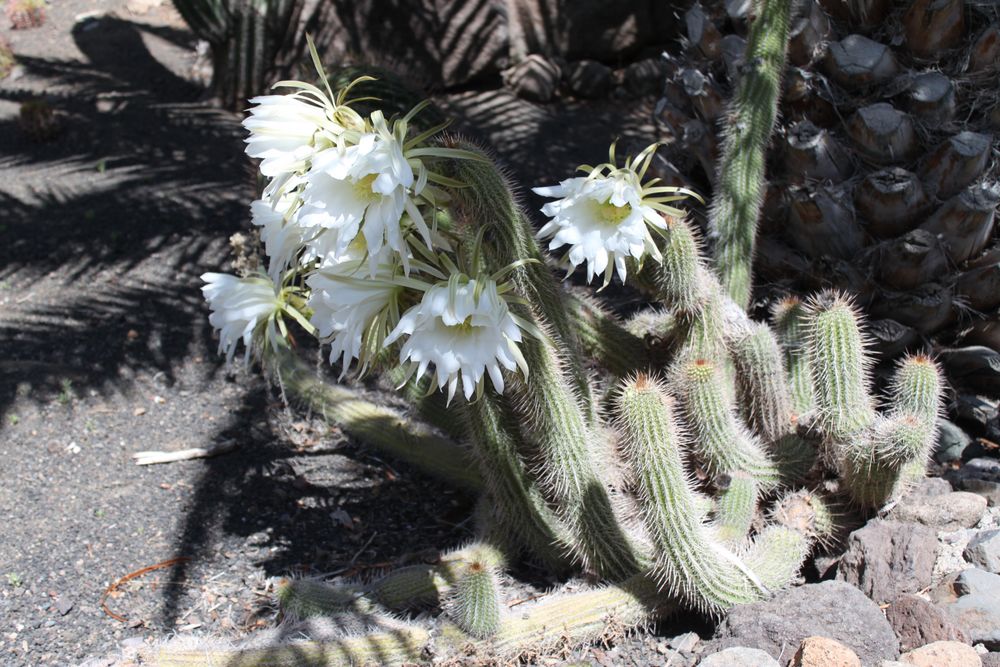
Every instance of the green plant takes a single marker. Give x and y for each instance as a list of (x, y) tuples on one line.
[(574, 438), (248, 39), (13, 419), (14, 579), (66, 394)]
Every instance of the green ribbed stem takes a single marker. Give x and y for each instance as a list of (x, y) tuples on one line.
[(791, 329), (720, 439), (840, 368), (765, 399), (476, 602), (569, 473), (736, 509), (679, 275), (516, 501), (689, 563), (489, 203), (740, 184)]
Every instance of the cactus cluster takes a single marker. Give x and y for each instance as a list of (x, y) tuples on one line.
[(688, 458)]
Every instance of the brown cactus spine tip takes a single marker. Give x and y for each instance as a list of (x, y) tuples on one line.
[(891, 201), (932, 26)]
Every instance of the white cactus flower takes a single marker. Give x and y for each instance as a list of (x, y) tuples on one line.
[(603, 221), (344, 300), (366, 187), (283, 237), (283, 130), (462, 336), (238, 306)]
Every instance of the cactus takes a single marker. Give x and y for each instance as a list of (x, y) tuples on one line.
[(741, 169), (719, 430), (248, 38)]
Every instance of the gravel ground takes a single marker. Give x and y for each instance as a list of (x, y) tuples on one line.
[(105, 351)]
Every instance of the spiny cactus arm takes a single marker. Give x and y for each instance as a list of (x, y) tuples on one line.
[(690, 563), (488, 202), (376, 426), (790, 326), (404, 644), (475, 606), (554, 423), (895, 452), (605, 339), (413, 587), (719, 438), (517, 502), (736, 509), (776, 556), (760, 378), (840, 368), (679, 276), (556, 623), (916, 389), (740, 184)]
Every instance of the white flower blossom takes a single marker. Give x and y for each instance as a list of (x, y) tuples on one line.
[(365, 187), (462, 336), (282, 132), (238, 306), (603, 221), (345, 300), (283, 237)]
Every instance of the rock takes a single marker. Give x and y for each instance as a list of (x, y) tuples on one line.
[(831, 609), (942, 654), (975, 581), (64, 605), (535, 78), (588, 79), (887, 558), (979, 614), (980, 476), (990, 659), (824, 652), (646, 77), (685, 642), (955, 510), (984, 551), (739, 656), (918, 622), (952, 442)]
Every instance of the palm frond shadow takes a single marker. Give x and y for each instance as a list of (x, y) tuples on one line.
[(321, 511), (139, 162)]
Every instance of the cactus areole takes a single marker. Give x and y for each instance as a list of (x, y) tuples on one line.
[(679, 476)]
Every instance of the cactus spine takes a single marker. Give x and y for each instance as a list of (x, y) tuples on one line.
[(740, 183)]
